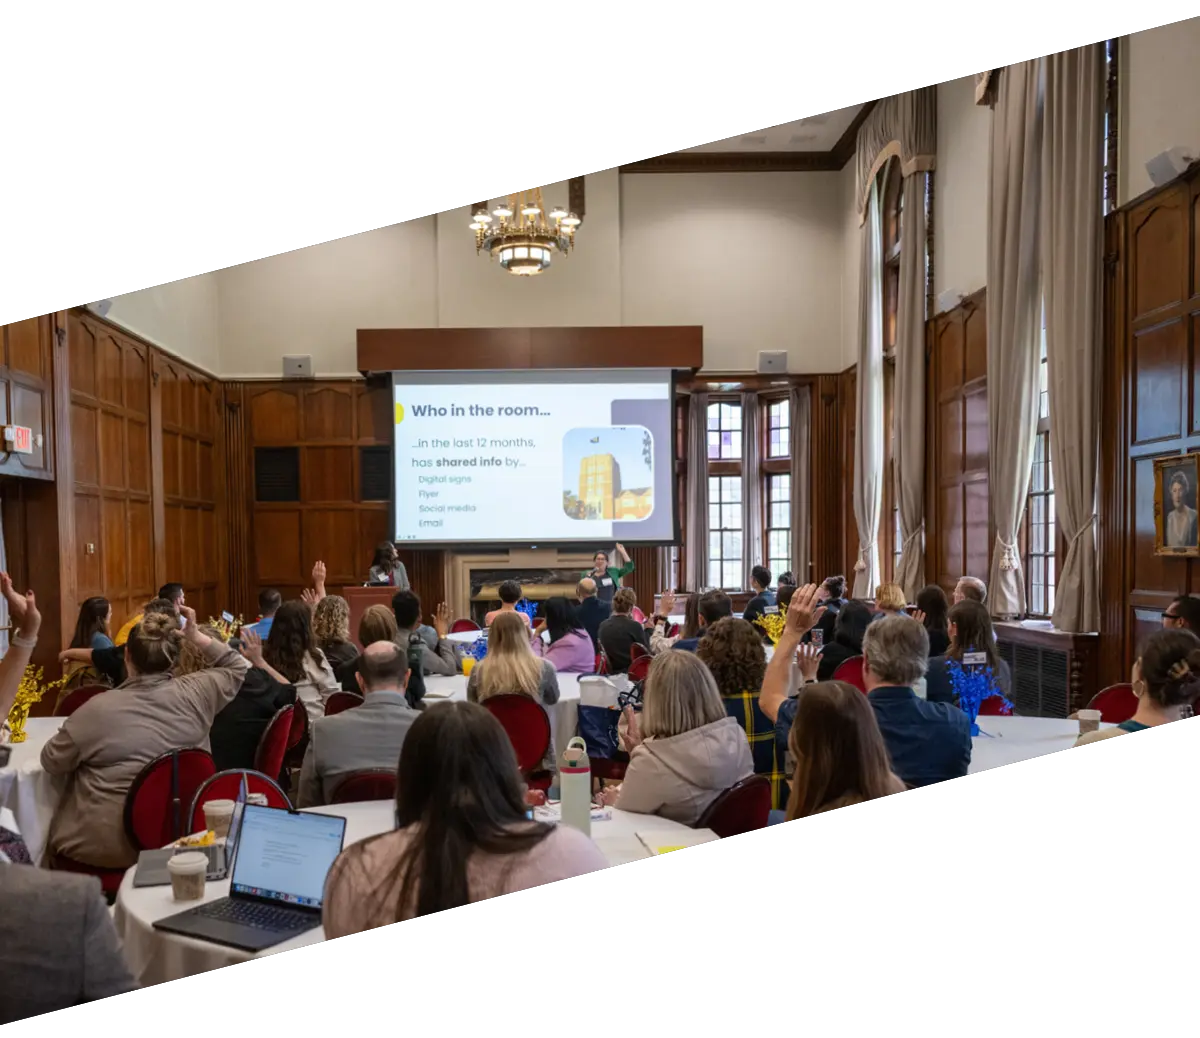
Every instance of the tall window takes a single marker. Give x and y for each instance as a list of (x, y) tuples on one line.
[(777, 487), (1040, 525), (725, 512)]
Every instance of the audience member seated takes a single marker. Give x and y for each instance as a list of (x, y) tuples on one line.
[(852, 621), (269, 601), (1166, 681), (685, 750), (621, 632), (570, 646), (1183, 614), (890, 601), (510, 594), (91, 632), (331, 629), (238, 729), (928, 742), (832, 598), (386, 568), (787, 577), (461, 834), (103, 745), (838, 752), (592, 611), (660, 641), (712, 606), (406, 607), (368, 737), (511, 668), (172, 593), (377, 624), (733, 651), (970, 589), (608, 578), (971, 630), (932, 608), (58, 945), (109, 662), (763, 601), (292, 652)]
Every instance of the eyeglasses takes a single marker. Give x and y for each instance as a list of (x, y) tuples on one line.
[(1170, 616)]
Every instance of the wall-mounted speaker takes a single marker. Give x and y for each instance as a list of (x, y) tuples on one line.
[(297, 367), (1169, 164), (772, 362)]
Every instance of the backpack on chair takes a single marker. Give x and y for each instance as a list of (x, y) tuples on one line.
[(414, 692)]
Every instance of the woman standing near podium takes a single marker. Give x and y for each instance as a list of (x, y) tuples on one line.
[(386, 568)]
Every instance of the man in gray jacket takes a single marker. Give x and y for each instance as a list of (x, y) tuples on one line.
[(58, 946), (365, 737)]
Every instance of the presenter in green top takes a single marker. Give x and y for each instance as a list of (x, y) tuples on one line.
[(608, 578)]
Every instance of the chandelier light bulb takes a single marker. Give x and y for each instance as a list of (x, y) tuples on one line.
[(502, 212), (557, 213), (571, 220)]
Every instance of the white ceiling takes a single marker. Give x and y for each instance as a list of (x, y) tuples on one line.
[(816, 133)]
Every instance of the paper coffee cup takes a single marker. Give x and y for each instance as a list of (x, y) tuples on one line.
[(188, 875), (217, 816), (1089, 721)]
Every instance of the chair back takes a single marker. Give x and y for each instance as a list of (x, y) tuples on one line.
[(639, 668), (851, 672), (272, 747), (340, 701), (638, 615), (227, 785), (1116, 703), (741, 808), (373, 784), (74, 699), (673, 631), (156, 806), (637, 651), (601, 663), (462, 626), (527, 725)]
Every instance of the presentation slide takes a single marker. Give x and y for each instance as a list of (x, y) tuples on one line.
[(533, 458)]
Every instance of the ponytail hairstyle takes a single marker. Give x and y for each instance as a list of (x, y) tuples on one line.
[(153, 644), (1170, 665)]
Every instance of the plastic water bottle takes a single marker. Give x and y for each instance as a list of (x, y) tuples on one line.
[(575, 786)]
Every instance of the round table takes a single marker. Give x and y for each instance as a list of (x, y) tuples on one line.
[(156, 957), (1007, 740), (26, 790), (465, 637)]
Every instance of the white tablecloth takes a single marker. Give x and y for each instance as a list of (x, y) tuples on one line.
[(155, 957), (465, 637), (1012, 739), (564, 714), (27, 791)]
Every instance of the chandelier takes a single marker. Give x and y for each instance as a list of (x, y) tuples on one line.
[(522, 235)]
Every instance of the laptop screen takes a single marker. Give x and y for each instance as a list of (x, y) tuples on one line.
[(285, 856)]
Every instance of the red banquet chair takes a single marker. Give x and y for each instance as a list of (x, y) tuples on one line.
[(462, 626), (743, 807), (226, 785), (601, 663), (158, 799), (994, 706), (640, 667), (273, 745), (359, 786), (528, 729), (636, 651), (1116, 704), (340, 701), (74, 699), (851, 672), (638, 615)]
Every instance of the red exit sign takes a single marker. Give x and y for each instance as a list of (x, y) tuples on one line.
[(18, 439)]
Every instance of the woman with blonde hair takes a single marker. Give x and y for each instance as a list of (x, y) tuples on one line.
[(684, 749), (511, 668), (377, 624), (840, 756), (331, 629), (890, 600)]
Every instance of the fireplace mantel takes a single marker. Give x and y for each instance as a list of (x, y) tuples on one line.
[(459, 566)]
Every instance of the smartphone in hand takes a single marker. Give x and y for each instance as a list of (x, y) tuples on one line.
[(818, 638)]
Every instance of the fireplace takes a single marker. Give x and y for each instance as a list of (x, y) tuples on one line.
[(472, 580), (537, 585)]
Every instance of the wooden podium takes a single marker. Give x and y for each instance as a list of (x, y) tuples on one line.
[(360, 599)]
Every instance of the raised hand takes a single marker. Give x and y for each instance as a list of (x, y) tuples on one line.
[(251, 646), (804, 611), (808, 658), (919, 616), (16, 601), (319, 572), (309, 597), (667, 603), (633, 730), (441, 620), (191, 629)]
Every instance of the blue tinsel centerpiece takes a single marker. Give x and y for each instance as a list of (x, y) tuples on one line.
[(972, 685)]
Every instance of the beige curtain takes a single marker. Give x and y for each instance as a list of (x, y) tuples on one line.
[(904, 127), (908, 413), (801, 409), (1013, 311), (868, 440), (695, 540), (1072, 248), (752, 516), (985, 88)]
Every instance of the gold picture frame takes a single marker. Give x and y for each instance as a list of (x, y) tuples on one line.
[(1176, 512)]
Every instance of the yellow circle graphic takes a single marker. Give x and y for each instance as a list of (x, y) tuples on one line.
[(399, 413)]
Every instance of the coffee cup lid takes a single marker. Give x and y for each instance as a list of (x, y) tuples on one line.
[(189, 861), (219, 805), (1089, 715)]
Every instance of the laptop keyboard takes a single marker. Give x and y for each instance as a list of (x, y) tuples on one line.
[(277, 919)]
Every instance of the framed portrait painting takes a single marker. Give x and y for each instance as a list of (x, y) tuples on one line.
[(1176, 530)]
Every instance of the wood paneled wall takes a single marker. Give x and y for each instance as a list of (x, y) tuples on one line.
[(1150, 409), (958, 529), (831, 470)]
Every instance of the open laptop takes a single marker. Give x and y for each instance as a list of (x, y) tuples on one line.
[(152, 870), (277, 885)]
